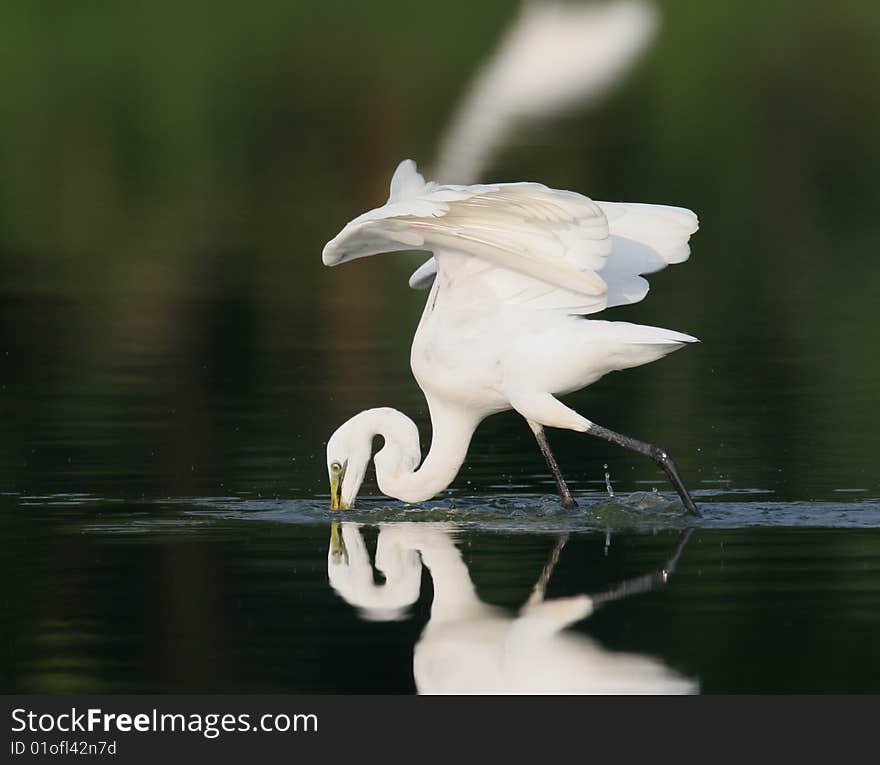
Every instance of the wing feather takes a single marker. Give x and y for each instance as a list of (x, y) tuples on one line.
[(558, 238), (645, 239), (540, 247)]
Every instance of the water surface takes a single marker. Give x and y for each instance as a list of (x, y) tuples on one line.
[(233, 594)]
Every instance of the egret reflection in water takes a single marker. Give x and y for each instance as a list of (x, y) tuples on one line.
[(469, 646)]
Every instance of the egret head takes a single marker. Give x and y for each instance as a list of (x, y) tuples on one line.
[(348, 452)]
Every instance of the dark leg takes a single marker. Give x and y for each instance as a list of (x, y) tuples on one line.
[(657, 454), (646, 582), (567, 500)]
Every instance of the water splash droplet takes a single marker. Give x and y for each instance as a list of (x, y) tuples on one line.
[(608, 482)]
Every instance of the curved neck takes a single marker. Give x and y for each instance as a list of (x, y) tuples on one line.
[(396, 462), (455, 597)]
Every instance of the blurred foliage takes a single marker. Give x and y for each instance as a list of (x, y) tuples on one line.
[(171, 171)]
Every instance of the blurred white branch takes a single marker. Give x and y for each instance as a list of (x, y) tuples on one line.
[(555, 56)]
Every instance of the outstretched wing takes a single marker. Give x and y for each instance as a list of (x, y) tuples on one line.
[(644, 239), (539, 240), (526, 244)]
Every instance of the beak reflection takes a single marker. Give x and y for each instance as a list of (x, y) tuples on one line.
[(338, 553)]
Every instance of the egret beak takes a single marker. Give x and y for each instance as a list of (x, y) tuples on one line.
[(336, 502)]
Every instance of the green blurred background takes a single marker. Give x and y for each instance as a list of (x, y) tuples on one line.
[(169, 173)]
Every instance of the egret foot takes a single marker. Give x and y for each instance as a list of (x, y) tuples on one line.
[(658, 455), (645, 582), (568, 501)]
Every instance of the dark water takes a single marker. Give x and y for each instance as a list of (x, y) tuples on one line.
[(173, 357), (233, 595), (165, 528)]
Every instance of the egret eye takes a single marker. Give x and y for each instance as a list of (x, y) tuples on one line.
[(335, 466)]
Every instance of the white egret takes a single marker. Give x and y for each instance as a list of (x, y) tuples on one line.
[(351, 574), (469, 646), (553, 57), (520, 265)]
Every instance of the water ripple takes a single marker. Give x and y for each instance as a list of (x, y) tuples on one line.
[(723, 508)]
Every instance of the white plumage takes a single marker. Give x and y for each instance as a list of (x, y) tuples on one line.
[(519, 266), (556, 55)]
